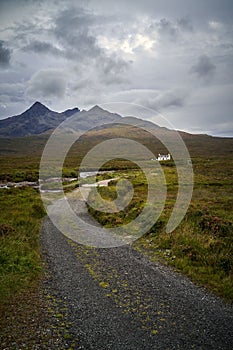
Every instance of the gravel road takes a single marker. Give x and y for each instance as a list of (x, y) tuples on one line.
[(117, 299)]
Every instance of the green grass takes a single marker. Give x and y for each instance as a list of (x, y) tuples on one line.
[(18, 160), (202, 245), (195, 248), (20, 222)]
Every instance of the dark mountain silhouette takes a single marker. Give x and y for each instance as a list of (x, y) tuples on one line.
[(36, 120)]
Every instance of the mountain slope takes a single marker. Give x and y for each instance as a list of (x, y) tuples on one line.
[(93, 118), (35, 120)]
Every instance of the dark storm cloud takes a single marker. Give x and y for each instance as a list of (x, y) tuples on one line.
[(204, 67), (5, 55)]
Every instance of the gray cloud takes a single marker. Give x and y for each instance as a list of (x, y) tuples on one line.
[(200, 10), (12, 99), (72, 31), (78, 52), (185, 24), (111, 70), (204, 67), (154, 99), (47, 83), (167, 28), (172, 29), (172, 99), (11, 89), (5, 55), (42, 47), (164, 100), (11, 92)]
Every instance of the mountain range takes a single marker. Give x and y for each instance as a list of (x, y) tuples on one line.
[(36, 124), (36, 120), (39, 119)]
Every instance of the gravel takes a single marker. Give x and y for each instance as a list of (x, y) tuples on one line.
[(115, 298)]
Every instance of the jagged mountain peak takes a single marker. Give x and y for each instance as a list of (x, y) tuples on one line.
[(96, 108), (38, 104), (37, 119), (100, 113), (38, 108)]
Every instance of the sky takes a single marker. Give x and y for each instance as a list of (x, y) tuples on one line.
[(173, 56)]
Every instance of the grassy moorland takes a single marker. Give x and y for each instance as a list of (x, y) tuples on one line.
[(201, 246)]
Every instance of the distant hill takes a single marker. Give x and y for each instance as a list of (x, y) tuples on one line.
[(36, 120)]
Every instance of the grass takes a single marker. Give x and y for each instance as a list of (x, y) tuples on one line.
[(195, 248), (18, 161), (20, 222), (202, 245)]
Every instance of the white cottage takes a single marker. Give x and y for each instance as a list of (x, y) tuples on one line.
[(164, 157)]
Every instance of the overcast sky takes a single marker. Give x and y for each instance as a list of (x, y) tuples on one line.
[(174, 56)]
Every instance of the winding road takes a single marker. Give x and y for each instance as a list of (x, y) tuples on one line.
[(117, 299)]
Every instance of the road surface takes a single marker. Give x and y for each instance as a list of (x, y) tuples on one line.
[(116, 299)]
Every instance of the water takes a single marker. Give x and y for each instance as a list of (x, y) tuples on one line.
[(85, 174)]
